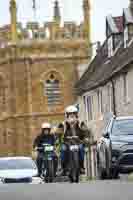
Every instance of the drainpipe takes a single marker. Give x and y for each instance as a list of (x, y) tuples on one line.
[(114, 100)]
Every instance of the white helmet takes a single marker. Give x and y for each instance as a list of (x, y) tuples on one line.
[(46, 126), (71, 109)]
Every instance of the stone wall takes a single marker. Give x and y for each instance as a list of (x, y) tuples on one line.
[(123, 102), (24, 68)]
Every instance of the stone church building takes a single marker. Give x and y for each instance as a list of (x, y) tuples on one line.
[(39, 67)]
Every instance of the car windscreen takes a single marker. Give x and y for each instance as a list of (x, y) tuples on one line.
[(123, 127), (17, 164)]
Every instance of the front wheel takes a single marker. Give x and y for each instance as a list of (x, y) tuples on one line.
[(74, 167), (100, 171), (114, 174), (50, 171)]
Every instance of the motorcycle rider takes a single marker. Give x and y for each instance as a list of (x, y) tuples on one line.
[(44, 138), (73, 127)]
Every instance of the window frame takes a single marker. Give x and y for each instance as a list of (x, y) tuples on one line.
[(52, 91)]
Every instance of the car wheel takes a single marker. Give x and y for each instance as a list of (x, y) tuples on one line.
[(108, 171), (114, 174)]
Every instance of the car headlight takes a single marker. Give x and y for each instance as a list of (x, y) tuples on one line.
[(1, 180), (36, 180), (117, 145)]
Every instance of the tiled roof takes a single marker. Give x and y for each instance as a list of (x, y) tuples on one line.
[(104, 70), (96, 62)]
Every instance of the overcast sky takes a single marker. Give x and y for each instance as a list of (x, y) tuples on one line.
[(70, 10)]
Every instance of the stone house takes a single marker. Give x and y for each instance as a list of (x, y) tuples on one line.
[(105, 88)]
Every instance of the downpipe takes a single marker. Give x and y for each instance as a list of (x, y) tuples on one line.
[(114, 100)]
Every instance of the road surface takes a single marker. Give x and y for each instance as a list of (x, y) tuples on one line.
[(96, 190)]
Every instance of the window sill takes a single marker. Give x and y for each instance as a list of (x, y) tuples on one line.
[(99, 118)]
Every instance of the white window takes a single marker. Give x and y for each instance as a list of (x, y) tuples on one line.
[(30, 34), (110, 46), (100, 101), (47, 33), (125, 36)]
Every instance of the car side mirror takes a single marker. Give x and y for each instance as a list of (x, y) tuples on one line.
[(106, 135)]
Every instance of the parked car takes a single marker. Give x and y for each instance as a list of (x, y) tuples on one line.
[(115, 149), (18, 170)]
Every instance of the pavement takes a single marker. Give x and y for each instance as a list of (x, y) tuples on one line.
[(92, 190)]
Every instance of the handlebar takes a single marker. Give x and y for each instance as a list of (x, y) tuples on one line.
[(41, 148), (38, 148), (46, 145), (72, 137), (76, 139), (73, 140)]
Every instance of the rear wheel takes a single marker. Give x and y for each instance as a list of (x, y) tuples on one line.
[(114, 173), (108, 171)]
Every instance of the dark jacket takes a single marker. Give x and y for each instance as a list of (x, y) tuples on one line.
[(80, 130), (43, 139)]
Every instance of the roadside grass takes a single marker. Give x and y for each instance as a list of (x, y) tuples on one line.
[(130, 177), (86, 178)]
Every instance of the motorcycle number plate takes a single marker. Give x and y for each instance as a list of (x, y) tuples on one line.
[(74, 147), (49, 158), (49, 148)]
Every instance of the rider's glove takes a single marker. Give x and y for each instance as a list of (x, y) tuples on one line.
[(86, 140)]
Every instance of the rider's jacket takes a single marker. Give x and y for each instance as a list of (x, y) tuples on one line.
[(79, 129), (44, 139)]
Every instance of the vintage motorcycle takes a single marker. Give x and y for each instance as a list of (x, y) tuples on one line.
[(48, 165), (73, 143)]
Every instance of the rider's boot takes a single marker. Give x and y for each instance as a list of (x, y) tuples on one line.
[(64, 170), (82, 168)]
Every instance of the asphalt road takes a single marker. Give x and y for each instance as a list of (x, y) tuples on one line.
[(100, 190)]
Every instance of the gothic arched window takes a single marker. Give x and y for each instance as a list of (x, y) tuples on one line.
[(53, 91)]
